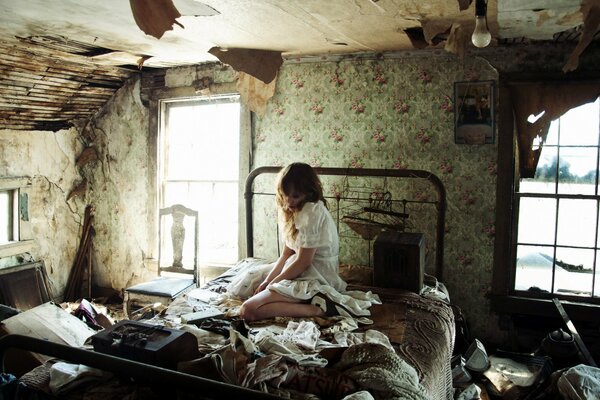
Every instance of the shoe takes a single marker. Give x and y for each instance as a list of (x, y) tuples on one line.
[(329, 307)]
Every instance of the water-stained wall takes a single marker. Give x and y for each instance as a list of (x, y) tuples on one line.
[(49, 159)]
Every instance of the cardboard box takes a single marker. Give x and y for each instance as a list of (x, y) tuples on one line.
[(48, 322)]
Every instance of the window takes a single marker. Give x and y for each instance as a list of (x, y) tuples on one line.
[(557, 247), (15, 228), (199, 167)]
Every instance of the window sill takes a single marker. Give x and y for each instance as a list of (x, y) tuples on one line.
[(15, 248), (512, 304)]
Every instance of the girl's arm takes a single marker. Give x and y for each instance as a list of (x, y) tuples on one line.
[(276, 270), (300, 264)]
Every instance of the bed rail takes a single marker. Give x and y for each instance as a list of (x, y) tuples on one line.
[(364, 172), (143, 373)]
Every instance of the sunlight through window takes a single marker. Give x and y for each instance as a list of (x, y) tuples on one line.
[(200, 169)]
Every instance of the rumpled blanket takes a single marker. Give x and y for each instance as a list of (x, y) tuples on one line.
[(376, 368)]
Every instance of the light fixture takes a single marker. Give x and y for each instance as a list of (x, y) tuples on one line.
[(481, 35)]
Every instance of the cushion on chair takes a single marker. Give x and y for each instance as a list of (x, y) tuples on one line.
[(165, 287)]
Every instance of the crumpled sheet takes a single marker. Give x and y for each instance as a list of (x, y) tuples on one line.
[(581, 382), (366, 366)]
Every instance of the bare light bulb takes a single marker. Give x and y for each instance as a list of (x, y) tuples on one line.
[(481, 36)]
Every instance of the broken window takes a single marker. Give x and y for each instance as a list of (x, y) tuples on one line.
[(557, 209)]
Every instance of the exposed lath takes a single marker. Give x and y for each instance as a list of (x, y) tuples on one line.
[(48, 82)]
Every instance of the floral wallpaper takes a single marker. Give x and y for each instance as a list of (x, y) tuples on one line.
[(393, 113)]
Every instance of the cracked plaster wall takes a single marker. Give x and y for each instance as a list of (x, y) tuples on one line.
[(119, 189), (49, 159)]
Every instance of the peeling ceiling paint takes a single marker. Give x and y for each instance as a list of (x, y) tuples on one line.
[(63, 59)]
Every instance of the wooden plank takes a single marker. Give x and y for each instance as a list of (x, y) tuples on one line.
[(571, 327)]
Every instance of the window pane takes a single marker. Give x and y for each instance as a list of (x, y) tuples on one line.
[(552, 137), (534, 268), (576, 222), (5, 217), (579, 126), (217, 206), (577, 170), (200, 137), (537, 220), (545, 174), (574, 271)]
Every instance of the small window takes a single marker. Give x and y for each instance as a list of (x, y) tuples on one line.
[(9, 230), (558, 242), (15, 227)]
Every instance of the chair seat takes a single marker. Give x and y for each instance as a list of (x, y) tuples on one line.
[(163, 287)]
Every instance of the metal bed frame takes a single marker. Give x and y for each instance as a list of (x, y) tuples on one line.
[(361, 172)]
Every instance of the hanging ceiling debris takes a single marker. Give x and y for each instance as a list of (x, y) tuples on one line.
[(62, 60)]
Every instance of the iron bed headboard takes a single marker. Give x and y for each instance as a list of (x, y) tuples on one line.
[(360, 172)]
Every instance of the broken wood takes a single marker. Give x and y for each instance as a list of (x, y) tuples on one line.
[(81, 271)]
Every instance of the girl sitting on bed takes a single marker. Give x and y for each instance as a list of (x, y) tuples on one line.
[(304, 281)]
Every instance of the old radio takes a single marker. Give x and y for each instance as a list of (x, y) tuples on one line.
[(147, 343), (399, 260)]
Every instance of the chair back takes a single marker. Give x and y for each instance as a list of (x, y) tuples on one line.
[(174, 233)]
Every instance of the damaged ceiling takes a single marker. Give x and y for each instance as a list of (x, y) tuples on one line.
[(62, 60)]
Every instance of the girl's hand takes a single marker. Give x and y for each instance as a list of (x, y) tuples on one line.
[(262, 286)]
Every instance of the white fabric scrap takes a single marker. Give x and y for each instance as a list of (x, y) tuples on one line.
[(65, 376), (347, 339), (296, 342)]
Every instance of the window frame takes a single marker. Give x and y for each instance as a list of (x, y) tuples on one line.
[(154, 89), (163, 106), (23, 242), (504, 299)]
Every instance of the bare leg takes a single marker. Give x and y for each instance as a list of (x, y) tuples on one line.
[(268, 304)]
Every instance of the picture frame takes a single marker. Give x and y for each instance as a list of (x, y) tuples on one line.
[(474, 112)]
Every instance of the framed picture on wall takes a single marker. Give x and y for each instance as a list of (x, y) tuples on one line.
[(474, 112)]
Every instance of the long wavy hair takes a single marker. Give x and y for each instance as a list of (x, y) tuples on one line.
[(302, 178)]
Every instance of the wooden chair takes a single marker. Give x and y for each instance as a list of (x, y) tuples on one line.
[(182, 272)]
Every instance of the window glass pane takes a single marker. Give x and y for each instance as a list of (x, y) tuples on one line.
[(545, 174), (536, 220), (200, 137), (573, 274), (5, 217), (552, 137), (579, 126), (534, 268), (218, 205), (576, 222), (577, 170)]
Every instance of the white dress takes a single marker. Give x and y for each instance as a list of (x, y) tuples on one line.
[(317, 229)]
